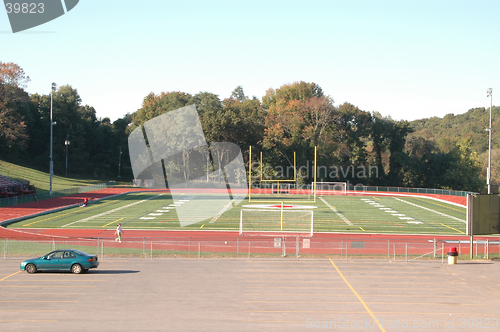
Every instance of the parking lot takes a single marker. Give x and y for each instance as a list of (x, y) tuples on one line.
[(126, 294)]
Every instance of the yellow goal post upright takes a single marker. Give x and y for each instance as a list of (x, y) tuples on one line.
[(313, 187)]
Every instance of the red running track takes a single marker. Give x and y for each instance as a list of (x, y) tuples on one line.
[(230, 239)]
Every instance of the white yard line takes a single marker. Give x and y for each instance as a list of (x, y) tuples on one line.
[(423, 207), (347, 221), (224, 209), (111, 211)]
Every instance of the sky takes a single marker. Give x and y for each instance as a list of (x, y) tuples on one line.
[(404, 59)]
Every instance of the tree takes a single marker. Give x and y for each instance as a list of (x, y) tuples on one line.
[(13, 105), (380, 137), (13, 75), (154, 105), (297, 119), (398, 159), (463, 172)]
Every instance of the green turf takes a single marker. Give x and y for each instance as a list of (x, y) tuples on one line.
[(41, 180), (359, 214)]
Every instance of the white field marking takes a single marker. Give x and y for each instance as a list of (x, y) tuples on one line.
[(155, 214), (168, 207), (275, 206), (423, 207), (111, 211), (347, 221), (224, 209), (184, 200), (414, 222), (385, 208), (406, 218), (147, 218), (394, 194), (163, 211), (390, 211), (398, 215)]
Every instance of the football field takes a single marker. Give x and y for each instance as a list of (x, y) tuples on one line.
[(335, 213)]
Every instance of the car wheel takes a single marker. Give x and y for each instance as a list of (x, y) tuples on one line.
[(30, 268), (76, 268)]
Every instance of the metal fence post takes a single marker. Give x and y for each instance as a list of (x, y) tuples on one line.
[(406, 252), (459, 249), (442, 253), (199, 250), (297, 253), (249, 250), (189, 245), (394, 245), (435, 248), (238, 245), (487, 248)]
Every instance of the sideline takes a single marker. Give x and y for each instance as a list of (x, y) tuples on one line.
[(431, 210), (347, 221)]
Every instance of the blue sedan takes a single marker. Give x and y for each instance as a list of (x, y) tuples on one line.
[(72, 260)]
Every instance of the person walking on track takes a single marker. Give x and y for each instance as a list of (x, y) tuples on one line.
[(118, 233)]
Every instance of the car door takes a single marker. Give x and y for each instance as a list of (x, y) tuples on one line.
[(44, 262), (67, 259), (55, 260)]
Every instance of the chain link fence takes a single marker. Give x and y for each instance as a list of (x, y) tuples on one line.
[(251, 248)]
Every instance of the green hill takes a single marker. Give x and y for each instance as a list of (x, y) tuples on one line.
[(41, 180), (444, 133)]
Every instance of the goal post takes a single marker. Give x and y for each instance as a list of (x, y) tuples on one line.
[(330, 188), (277, 220), (269, 190), (281, 188)]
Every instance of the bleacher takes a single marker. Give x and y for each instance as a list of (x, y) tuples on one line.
[(12, 188)]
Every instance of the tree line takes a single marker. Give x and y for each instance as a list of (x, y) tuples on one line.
[(354, 145)]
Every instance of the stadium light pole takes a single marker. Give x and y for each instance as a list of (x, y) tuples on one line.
[(489, 93), (66, 142), (120, 163), (52, 123)]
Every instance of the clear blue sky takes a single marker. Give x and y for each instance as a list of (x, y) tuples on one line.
[(406, 59)]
